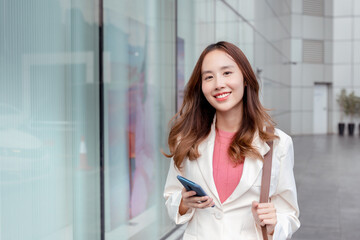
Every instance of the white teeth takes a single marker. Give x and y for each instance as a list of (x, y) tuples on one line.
[(222, 95)]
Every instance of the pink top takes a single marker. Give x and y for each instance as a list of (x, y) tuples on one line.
[(226, 174)]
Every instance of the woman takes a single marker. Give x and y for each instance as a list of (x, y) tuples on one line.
[(218, 140)]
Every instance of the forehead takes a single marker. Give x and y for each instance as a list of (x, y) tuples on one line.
[(217, 59)]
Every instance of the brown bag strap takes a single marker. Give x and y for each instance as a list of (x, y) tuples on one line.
[(265, 180)]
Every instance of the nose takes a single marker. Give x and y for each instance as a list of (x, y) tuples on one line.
[(219, 82)]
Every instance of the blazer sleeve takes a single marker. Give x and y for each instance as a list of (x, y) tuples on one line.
[(285, 197), (172, 195)]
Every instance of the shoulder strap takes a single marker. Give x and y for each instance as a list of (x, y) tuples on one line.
[(265, 180)]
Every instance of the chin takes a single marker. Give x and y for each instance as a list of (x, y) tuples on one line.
[(225, 109), (222, 109)]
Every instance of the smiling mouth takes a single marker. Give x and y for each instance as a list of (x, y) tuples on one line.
[(222, 95)]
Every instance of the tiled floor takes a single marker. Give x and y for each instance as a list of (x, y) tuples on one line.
[(327, 172)]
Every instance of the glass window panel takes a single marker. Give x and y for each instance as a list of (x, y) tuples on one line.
[(139, 102), (49, 121)]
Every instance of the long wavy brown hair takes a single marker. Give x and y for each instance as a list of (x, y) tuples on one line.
[(192, 124)]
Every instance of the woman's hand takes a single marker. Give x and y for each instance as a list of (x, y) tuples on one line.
[(189, 201), (265, 213)]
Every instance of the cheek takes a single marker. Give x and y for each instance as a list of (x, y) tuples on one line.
[(242, 91), (240, 86), (205, 89)]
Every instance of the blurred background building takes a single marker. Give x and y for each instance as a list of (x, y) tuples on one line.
[(87, 89)]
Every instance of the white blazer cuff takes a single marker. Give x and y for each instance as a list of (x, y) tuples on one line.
[(173, 204), (284, 229)]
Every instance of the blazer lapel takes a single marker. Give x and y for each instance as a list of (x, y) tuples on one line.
[(204, 162), (251, 170)]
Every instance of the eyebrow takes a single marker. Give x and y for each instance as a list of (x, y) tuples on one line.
[(222, 68)]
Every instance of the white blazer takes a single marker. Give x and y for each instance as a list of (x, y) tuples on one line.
[(233, 218)]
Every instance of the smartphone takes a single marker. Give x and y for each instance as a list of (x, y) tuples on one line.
[(191, 186)]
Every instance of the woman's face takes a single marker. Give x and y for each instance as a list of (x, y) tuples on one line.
[(222, 82)]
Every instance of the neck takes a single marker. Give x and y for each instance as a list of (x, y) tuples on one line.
[(227, 121)]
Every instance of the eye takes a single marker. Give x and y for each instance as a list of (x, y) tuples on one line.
[(207, 77), (227, 73)]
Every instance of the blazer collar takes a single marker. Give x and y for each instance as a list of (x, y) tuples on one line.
[(251, 169)]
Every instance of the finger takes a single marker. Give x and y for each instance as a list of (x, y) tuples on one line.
[(188, 194), (211, 204), (198, 199), (269, 221), (267, 216), (265, 210), (205, 204), (192, 205), (183, 191), (195, 204), (265, 205), (194, 201)]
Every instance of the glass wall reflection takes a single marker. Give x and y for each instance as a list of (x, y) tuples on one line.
[(49, 121), (139, 101)]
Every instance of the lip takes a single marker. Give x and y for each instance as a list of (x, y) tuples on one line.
[(224, 98)]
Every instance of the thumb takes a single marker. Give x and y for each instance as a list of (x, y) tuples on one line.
[(255, 204)]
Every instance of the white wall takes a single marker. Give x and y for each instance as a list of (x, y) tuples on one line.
[(338, 28), (344, 45)]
